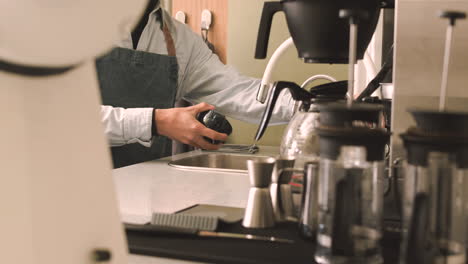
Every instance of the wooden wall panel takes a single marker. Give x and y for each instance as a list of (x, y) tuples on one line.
[(218, 30)]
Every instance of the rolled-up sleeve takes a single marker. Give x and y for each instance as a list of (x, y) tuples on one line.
[(127, 126)]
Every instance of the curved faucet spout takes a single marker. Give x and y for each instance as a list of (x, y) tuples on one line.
[(264, 88)]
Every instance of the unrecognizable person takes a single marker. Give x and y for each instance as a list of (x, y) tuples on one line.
[(147, 73)]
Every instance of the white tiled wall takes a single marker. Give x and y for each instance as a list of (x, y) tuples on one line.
[(420, 40)]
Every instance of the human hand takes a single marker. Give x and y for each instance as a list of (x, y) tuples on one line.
[(181, 124)]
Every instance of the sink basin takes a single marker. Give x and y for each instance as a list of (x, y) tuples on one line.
[(226, 162)]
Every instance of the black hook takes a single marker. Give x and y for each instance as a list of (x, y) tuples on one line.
[(102, 255)]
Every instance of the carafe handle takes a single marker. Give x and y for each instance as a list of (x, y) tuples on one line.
[(297, 93), (419, 249), (269, 9)]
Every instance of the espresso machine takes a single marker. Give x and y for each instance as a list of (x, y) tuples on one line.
[(435, 220)]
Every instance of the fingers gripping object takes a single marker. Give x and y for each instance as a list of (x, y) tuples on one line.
[(217, 122)]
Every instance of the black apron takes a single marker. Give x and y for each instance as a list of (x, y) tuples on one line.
[(131, 79)]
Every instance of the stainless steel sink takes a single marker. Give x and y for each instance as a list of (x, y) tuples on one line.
[(226, 162)]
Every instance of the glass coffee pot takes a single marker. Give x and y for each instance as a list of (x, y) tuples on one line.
[(300, 139), (351, 175), (334, 89), (435, 198)]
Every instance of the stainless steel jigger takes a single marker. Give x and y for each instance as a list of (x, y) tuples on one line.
[(259, 210), (280, 190)]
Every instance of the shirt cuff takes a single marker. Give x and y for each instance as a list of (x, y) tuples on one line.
[(137, 124)]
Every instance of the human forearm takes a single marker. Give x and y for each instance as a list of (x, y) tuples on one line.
[(126, 126), (238, 100)]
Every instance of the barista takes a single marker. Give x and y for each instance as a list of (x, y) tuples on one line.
[(161, 62)]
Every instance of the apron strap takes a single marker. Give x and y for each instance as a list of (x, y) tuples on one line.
[(171, 50)]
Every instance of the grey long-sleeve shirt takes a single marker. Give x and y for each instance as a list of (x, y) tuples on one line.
[(202, 78)]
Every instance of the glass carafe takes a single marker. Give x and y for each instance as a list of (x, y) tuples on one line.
[(434, 212), (351, 181), (435, 198), (300, 139), (350, 208)]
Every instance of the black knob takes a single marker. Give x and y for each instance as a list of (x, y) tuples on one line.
[(354, 15), (452, 16), (102, 255)]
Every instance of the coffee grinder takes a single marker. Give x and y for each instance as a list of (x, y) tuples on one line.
[(351, 173), (436, 179)]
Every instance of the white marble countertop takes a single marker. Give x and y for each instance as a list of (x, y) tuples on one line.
[(155, 186)]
